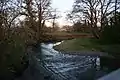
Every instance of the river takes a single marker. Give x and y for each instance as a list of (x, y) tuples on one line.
[(54, 65)]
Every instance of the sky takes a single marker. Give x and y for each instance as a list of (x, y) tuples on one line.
[(62, 6)]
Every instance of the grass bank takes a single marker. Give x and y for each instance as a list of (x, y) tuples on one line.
[(60, 36), (87, 44)]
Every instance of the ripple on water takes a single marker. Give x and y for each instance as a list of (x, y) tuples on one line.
[(66, 64)]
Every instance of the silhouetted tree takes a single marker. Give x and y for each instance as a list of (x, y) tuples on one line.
[(95, 11), (111, 32), (37, 11), (9, 11)]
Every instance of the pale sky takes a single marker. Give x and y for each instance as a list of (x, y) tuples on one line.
[(62, 6)]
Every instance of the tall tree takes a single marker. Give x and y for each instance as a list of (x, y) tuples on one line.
[(37, 11), (55, 15), (94, 11), (9, 11)]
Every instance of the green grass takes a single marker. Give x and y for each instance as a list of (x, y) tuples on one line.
[(58, 36), (58, 33), (87, 44), (78, 44)]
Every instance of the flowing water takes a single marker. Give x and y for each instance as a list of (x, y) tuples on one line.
[(68, 67)]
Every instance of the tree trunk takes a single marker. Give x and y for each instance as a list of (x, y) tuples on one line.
[(40, 24), (93, 27), (115, 11)]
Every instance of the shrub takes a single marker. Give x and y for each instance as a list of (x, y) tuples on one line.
[(111, 34)]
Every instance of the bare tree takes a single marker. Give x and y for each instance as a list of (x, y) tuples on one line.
[(73, 16), (94, 11), (88, 9), (55, 15), (9, 11), (37, 11)]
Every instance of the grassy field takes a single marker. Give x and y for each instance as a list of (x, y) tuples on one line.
[(87, 44), (66, 33), (66, 36)]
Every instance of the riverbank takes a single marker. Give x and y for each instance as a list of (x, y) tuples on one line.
[(60, 36), (13, 58), (87, 44), (51, 58)]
